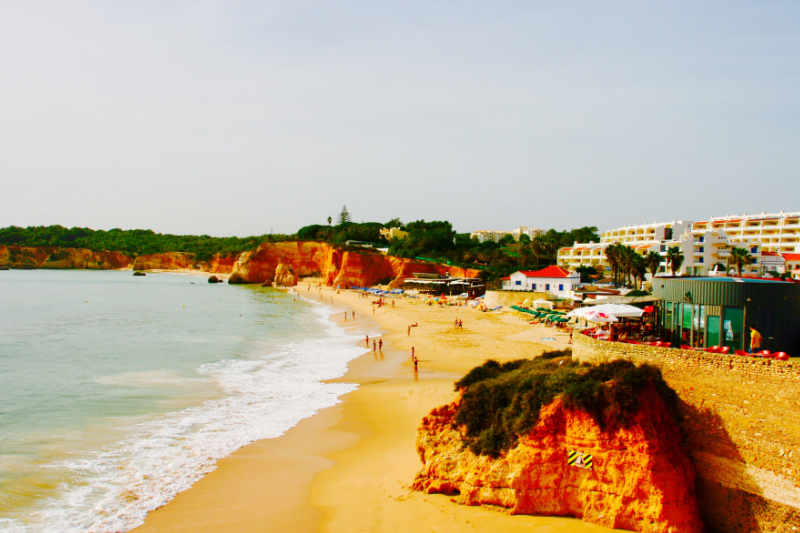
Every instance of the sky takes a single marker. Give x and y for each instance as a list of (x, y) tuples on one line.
[(246, 117)]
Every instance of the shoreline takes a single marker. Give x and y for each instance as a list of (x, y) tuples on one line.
[(348, 467), (185, 271)]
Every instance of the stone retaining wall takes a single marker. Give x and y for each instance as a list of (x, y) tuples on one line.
[(740, 415), (508, 298)]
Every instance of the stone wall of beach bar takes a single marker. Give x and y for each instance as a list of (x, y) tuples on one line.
[(741, 417), (508, 298)]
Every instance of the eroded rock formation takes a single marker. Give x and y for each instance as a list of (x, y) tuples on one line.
[(641, 477), (335, 266), (258, 266), (49, 257), (284, 276), (184, 261)]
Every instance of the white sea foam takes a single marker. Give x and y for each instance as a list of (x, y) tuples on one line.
[(263, 398)]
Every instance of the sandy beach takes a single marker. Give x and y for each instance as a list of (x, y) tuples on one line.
[(349, 467)]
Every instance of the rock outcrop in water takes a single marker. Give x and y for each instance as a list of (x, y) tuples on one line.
[(641, 478)]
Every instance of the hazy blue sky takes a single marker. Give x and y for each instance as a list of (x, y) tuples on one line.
[(240, 117)]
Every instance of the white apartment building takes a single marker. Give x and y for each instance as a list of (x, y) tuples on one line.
[(705, 244), (642, 238), (775, 232), (706, 251), (645, 233), (484, 235), (583, 254)]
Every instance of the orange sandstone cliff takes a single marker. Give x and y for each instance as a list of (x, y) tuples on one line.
[(184, 261), (641, 477), (337, 267), (259, 265), (51, 257)]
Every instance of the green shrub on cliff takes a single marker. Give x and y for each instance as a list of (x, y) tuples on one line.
[(502, 401)]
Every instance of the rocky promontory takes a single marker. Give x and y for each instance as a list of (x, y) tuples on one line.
[(336, 266), (628, 473)]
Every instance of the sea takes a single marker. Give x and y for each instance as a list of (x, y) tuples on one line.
[(117, 392)]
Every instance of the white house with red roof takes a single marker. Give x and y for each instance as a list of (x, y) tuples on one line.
[(792, 264), (553, 279)]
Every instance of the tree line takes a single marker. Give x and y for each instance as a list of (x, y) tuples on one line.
[(132, 242), (434, 240)]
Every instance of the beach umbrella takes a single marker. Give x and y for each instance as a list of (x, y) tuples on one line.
[(599, 316), (620, 310), (580, 312)]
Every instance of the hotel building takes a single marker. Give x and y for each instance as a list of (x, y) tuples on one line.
[(643, 238), (484, 235), (706, 245), (775, 232)]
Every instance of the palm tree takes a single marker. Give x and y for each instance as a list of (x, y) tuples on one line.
[(638, 268), (652, 261), (625, 264), (674, 258), (632, 263), (740, 257), (611, 258)]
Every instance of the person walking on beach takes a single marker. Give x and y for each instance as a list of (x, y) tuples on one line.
[(380, 344), (374, 345), (354, 315), (366, 341), (409, 330)]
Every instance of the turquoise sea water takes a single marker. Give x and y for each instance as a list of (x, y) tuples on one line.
[(117, 392)]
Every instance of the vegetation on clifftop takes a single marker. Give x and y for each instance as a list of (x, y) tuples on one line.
[(436, 240), (500, 402), (133, 242), (433, 240)]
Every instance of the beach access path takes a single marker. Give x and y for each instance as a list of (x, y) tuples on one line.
[(349, 467)]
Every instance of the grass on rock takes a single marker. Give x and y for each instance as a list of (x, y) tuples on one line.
[(501, 401)]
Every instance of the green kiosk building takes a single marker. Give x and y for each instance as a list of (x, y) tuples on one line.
[(719, 311)]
